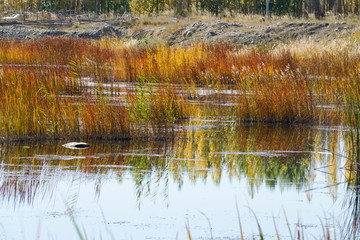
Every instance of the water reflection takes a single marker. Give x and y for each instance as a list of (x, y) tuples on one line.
[(349, 223), (206, 152), (262, 154)]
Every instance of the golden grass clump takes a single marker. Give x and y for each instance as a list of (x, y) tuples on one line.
[(33, 107), (53, 104), (272, 98)]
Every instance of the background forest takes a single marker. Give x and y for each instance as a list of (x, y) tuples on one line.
[(296, 8)]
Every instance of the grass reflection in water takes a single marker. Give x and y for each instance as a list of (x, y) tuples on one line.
[(273, 155)]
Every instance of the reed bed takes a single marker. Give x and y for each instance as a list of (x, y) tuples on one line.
[(301, 82), (52, 104), (32, 107)]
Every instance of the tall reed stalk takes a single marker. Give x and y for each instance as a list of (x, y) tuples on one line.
[(352, 101)]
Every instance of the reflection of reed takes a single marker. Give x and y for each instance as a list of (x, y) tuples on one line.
[(350, 226), (213, 151), (19, 190), (274, 156)]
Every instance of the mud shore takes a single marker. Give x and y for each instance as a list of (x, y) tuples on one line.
[(238, 33)]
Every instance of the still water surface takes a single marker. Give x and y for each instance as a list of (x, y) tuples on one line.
[(159, 189)]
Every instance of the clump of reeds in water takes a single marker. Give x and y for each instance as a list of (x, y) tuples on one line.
[(45, 104), (155, 105), (33, 106), (275, 85), (285, 98), (286, 84)]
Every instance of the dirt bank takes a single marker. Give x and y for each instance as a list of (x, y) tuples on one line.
[(239, 33), (259, 33)]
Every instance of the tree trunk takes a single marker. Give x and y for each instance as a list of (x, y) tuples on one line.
[(331, 4), (339, 7), (318, 10), (267, 10)]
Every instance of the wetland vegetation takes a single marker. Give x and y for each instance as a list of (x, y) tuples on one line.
[(70, 88), (280, 120)]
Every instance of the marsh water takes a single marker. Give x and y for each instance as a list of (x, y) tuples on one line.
[(158, 190), (217, 179)]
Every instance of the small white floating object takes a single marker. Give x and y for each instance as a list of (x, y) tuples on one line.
[(76, 145)]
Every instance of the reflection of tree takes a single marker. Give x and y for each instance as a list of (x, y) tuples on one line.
[(269, 155)]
